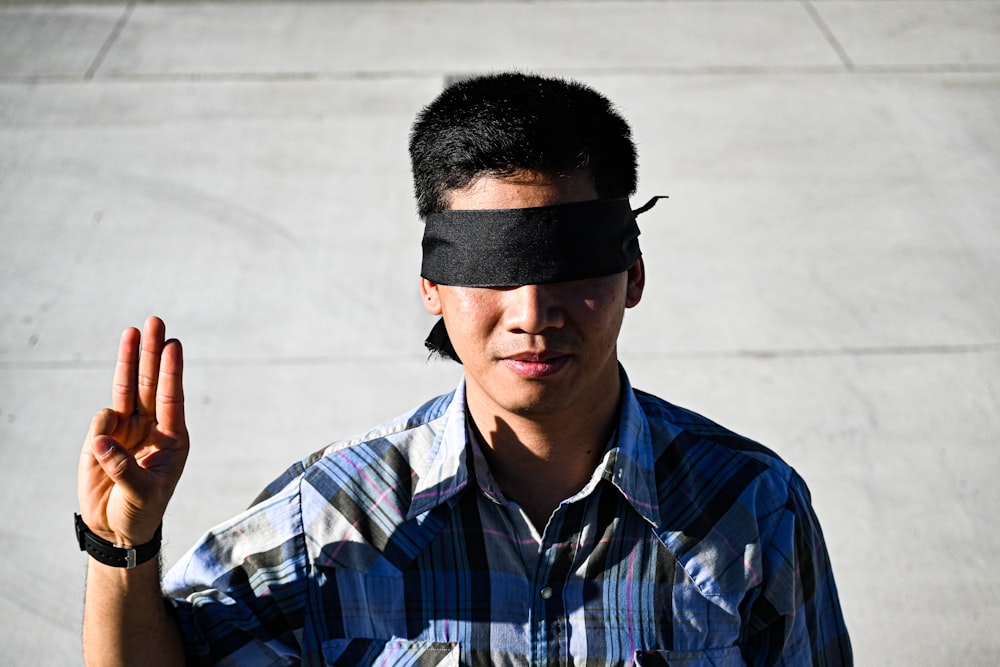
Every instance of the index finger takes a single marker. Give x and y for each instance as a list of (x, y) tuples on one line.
[(123, 386)]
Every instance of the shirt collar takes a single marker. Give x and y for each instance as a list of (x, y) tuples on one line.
[(628, 464), (630, 467), (443, 473)]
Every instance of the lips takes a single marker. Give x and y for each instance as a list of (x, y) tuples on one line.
[(533, 366)]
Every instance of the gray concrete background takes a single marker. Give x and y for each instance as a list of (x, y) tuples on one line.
[(824, 277)]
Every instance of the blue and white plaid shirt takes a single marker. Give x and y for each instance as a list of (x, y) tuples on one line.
[(690, 546)]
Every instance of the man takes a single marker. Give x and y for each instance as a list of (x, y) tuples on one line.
[(543, 513)]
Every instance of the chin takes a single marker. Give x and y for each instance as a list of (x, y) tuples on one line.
[(536, 403)]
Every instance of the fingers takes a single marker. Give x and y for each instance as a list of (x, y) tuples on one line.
[(149, 365), (104, 423), (170, 390), (123, 385), (137, 369), (110, 455)]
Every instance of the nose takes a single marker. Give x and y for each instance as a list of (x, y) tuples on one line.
[(532, 309)]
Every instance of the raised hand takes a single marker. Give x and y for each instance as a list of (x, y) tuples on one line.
[(135, 451)]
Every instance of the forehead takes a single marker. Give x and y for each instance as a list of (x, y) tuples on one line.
[(522, 189)]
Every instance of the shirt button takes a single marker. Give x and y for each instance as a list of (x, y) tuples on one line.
[(546, 593)]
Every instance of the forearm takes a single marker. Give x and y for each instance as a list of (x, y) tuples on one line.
[(124, 620)]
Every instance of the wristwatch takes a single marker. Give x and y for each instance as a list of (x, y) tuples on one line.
[(105, 552)]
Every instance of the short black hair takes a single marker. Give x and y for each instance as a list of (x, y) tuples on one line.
[(498, 124)]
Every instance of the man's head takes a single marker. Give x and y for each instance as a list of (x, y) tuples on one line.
[(501, 124), (530, 246)]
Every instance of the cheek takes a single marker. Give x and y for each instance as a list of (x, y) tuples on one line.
[(602, 303), (470, 312), (599, 320)]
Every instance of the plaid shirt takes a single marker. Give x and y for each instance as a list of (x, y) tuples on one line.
[(690, 546)]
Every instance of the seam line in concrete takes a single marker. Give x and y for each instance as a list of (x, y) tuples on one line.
[(110, 41), (279, 77), (831, 39), (869, 351)]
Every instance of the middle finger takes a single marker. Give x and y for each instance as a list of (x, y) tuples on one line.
[(149, 365)]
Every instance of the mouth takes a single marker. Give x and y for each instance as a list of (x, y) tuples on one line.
[(535, 365)]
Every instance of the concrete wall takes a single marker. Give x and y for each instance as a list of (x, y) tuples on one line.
[(824, 277)]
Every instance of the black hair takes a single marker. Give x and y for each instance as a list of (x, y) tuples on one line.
[(498, 124)]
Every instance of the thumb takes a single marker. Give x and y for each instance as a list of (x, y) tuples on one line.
[(118, 464)]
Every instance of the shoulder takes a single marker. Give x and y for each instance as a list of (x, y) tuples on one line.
[(322, 499), (354, 499), (688, 429), (397, 437), (721, 495), (686, 443)]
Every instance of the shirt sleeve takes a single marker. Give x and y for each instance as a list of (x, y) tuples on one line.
[(239, 596), (797, 619)]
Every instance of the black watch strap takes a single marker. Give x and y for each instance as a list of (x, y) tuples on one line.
[(105, 552)]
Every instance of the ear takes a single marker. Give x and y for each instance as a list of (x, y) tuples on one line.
[(429, 295), (636, 283)]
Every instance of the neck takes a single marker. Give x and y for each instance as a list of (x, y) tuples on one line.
[(539, 461)]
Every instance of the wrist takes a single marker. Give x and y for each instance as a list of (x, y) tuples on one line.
[(113, 555)]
